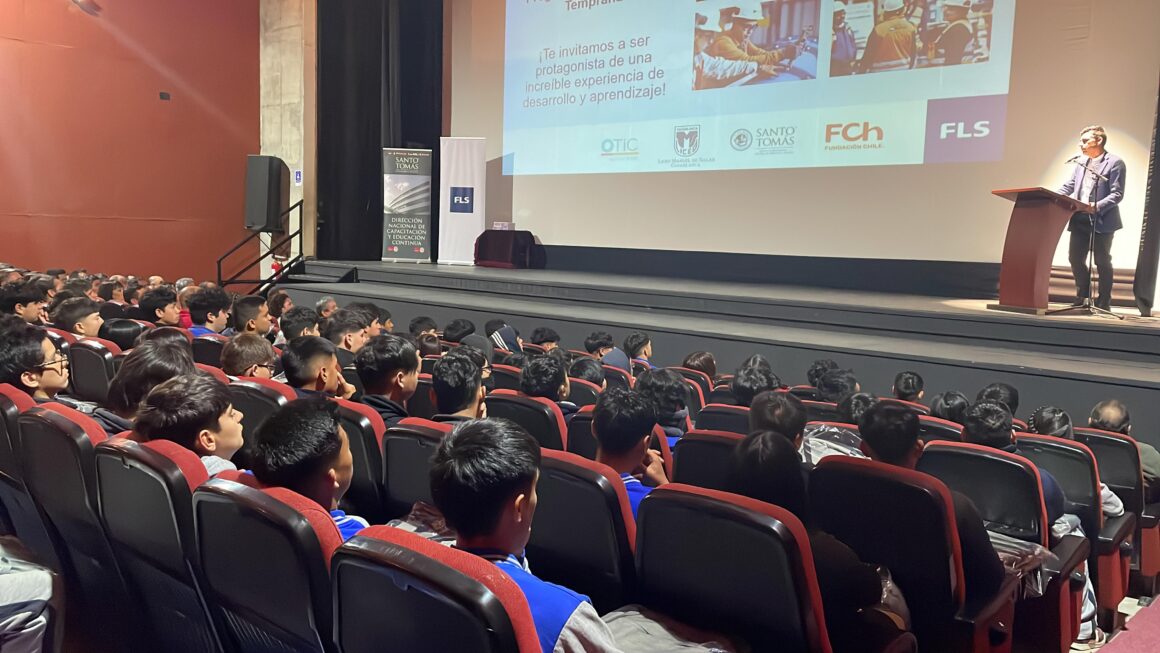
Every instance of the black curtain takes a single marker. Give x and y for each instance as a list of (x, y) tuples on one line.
[(1144, 287), (380, 65)]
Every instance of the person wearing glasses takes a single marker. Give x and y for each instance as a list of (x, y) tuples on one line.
[(31, 362), (248, 354)]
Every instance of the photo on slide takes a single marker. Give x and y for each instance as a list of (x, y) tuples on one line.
[(876, 36), (745, 44)]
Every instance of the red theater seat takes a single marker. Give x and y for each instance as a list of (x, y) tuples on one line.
[(18, 507), (583, 393), (422, 403), (91, 368), (214, 372), (698, 377), (581, 438), (506, 377), (933, 428), (364, 431), (207, 349), (618, 378), (407, 451), (917, 408), (821, 411), (395, 590), (257, 399), (721, 417), (704, 458), (266, 555), (539, 416)]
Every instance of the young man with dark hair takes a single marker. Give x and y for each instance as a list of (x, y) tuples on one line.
[(377, 317), (483, 480), (113, 296), (749, 382), (458, 329), (950, 405), (311, 367), (347, 329), (908, 387), (851, 409), (159, 306), (546, 337), (590, 370), (780, 412), (545, 377), (388, 367), (622, 422), (493, 325), (457, 381), (599, 343), (638, 346), (250, 314), (890, 435), (1003, 393), (665, 389), (303, 447), (248, 354), (299, 321), (79, 316), (1112, 415), (818, 369), (421, 325), (836, 384), (25, 299), (209, 311), (29, 361), (988, 424), (195, 411)]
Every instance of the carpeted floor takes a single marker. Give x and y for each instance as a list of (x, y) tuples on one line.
[(1141, 635)]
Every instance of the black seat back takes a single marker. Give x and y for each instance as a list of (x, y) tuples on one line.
[(1118, 458), (422, 403), (821, 411), (542, 419), (207, 350), (364, 430), (1074, 467), (705, 458), (583, 393), (91, 369), (407, 452), (506, 377), (719, 417), (931, 429), (581, 437)]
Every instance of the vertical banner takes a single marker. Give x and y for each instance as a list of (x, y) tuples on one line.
[(463, 196), (1144, 286), (406, 205)]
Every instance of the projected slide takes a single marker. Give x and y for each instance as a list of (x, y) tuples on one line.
[(593, 86)]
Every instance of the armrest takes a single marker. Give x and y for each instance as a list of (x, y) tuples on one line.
[(989, 613), (1151, 516), (1072, 550), (1115, 531)]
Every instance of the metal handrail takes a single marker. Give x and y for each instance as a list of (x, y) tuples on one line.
[(237, 279)]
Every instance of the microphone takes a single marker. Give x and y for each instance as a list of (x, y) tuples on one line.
[(1073, 159)]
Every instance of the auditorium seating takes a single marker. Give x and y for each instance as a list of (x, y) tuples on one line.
[(394, 590), (933, 428), (583, 393), (618, 378), (703, 458), (917, 408), (19, 510), (694, 399), (805, 392), (266, 557), (539, 416), (720, 417), (407, 451), (422, 403), (581, 439), (821, 411), (364, 431), (757, 585), (91, 368), (215, 372), (146, 500), (721, 395), (698, 377), (506, 377), (427, 364), (257, 399), (584, 530), (905, 520), (207, 349)]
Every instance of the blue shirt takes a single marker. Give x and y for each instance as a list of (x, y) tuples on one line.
[(348, 525), (551, 605), (636, 491), (202, 330)]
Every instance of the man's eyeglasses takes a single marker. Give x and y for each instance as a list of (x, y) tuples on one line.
[(62, 361)]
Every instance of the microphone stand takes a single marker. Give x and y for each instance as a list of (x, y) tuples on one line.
[(1087, 306)]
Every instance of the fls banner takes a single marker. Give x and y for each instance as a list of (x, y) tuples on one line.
[(406, 205)]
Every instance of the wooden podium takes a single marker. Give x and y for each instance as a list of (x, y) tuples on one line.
[(1037, 221)]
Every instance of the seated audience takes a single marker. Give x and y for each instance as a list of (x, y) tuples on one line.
[(599, 343), (347, 329), (951, 405), (1112, 415), (279, 302), (30, 361), (765, 467), (758, 361), (546, 337), (388, 367), (159, 306), (428, 345), (818, 369), (25, 299), (1003, 393), (250, 314), (325, 306), (195, 411), (590, 370), (421, 325), (665, 390), (507, 338), (79, 316), (483, 481), (908, 387), (851, 409), (311, 367), (147, 365), (457, 330), (122, 332), (1049, 420), (298, 321), (779, 412), (638, 346), (457, 383), (249, 354), (622, 423), (836, 384), (749, 382), (168, 334), (303, 447), (112, 295), (702, 361), (376, 316), (545, 377), (515, 359), (209, 311), (988, 423), (890, 435)]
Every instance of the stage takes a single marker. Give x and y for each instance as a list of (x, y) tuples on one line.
[(1071, 361)]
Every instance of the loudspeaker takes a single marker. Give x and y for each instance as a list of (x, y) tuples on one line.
[(267, 193)]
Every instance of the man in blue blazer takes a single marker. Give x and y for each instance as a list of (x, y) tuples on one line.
[(1105, 193)]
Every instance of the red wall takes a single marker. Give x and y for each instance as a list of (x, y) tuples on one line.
[(95, 170)]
